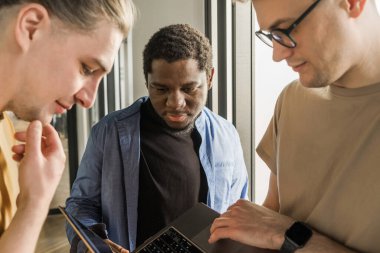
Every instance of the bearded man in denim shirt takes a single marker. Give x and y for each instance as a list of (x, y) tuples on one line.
[(147, 164)]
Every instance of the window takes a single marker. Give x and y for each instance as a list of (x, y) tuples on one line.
[(267, 88)]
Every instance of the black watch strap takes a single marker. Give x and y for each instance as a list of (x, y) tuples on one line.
[(288, 246), (297, 235)]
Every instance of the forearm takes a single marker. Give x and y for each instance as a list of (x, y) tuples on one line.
[(86, 218), (320, 243), (262, 227), (23, 232), (42, 160), (87, 211)]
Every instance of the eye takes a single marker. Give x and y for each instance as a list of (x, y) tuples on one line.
[(86, 70), (162, 90), (189, 89)]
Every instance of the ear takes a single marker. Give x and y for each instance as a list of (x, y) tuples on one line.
[(210, 78), (355, 7), (32, 19)]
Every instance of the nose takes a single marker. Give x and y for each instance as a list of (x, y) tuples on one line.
[(175, 100), (86, 96), (281, 52)]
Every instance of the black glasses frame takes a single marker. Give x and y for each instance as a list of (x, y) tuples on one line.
[(286, 31)]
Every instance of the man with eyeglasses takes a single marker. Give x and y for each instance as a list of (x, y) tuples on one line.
[(323, 142)]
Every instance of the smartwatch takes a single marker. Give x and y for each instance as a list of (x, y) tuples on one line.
[(296, 237)]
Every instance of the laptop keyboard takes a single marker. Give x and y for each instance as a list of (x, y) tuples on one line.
[(171, 242)]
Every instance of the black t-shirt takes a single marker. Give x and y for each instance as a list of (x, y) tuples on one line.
[(171, 178)]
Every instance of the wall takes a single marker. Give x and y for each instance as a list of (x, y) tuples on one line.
[(154, 14)]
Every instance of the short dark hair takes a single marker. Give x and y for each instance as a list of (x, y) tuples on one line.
[(178, 42)]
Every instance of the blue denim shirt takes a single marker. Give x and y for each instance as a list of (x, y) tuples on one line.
[(106, 188)]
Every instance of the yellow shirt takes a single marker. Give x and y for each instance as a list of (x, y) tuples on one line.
[(8, 173)]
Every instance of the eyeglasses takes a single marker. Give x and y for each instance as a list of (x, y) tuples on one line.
[(283, 36)]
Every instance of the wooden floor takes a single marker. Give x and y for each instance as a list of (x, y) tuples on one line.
[(53, 237)]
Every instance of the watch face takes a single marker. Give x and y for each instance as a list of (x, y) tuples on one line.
[(299, 233)]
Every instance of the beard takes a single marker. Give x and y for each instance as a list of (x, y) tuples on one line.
[(315, 78), (30, 113), (317, 82)]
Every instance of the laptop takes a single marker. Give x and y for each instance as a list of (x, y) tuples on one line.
[(190, 232)]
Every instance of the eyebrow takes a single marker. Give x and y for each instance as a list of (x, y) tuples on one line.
[(101, 65), (156, 84), (279, 22), (191, 83)]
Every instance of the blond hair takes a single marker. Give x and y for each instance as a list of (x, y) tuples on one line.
[(85, 14)]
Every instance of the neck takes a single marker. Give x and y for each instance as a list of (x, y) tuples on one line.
[(8, 77), (365, 69), (4, 86)]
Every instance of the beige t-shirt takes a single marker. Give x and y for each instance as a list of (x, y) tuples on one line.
[(324, 146)]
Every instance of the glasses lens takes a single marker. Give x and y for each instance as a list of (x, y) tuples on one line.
[(266, 38), (283, 38)]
